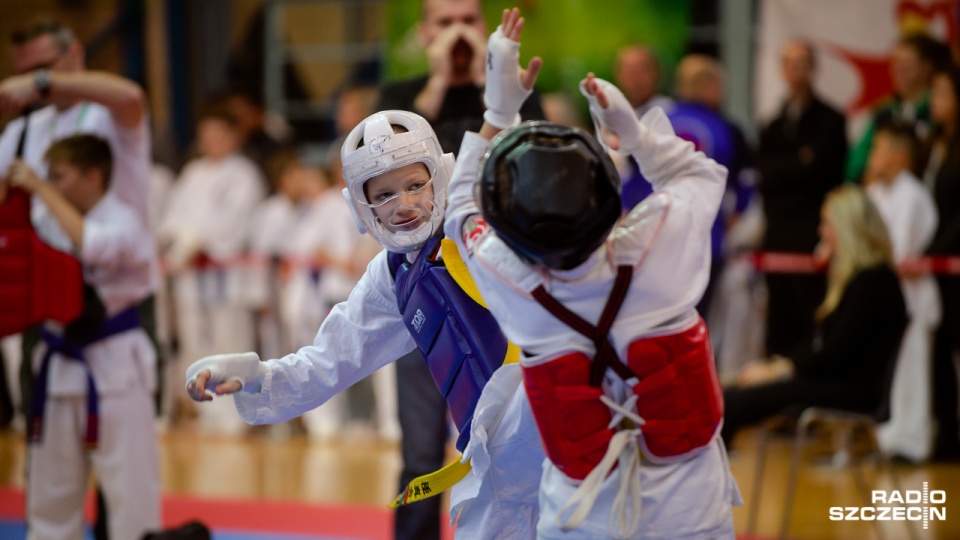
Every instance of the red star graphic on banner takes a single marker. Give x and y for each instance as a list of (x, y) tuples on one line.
[(873, 70), (873, 73)]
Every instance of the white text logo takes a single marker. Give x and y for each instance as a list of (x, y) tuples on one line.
[(418, 319), (924, 505)]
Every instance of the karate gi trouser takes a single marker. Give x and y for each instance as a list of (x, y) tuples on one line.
[(691, 500), (125, 462)]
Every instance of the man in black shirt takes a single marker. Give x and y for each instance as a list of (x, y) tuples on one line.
[(450, 97), (454, 35), (800, 159)]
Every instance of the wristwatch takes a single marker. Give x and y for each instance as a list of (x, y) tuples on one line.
[(42, 81)]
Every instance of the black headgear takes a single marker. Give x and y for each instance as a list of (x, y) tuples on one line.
[(550, 192)]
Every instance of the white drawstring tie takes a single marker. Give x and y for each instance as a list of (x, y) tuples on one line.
[(623, 450)]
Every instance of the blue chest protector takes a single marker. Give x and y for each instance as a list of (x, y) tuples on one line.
[(459, 339)]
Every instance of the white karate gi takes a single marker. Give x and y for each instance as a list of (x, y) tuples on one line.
[(274, 223), (310, 293), (365, 333), (209, 211), (667, 238), (130, 147), (117, 254), (910, 214)]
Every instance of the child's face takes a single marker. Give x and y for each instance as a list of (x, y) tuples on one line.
[(402, 198), (887, 158), (79, 188), (216, 138)]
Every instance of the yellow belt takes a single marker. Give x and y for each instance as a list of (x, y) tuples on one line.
[(437, 482)]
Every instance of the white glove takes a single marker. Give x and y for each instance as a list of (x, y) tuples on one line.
[(618, 117), (245, 368), (504, 95)]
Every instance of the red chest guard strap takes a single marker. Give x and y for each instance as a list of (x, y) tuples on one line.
[(564, 392), (606, 355)]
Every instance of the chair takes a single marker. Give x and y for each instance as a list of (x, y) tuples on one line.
[(844, 425)]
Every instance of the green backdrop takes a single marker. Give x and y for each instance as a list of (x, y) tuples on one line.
[(572, 36)]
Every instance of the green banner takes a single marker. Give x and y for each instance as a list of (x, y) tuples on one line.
[(572, 36)]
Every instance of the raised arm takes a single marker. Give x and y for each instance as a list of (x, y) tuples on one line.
[(507, 87), (121, 96), (507, 84), (69, 218), (666, 161)]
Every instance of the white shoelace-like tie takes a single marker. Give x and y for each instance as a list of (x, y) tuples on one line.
[(625, 452)]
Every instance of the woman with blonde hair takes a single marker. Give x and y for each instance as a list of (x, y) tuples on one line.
[(849, 358)]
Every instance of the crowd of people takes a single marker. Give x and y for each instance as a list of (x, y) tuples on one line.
[(252, 247)]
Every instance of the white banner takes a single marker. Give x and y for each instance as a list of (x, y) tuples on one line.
[(853, 40)]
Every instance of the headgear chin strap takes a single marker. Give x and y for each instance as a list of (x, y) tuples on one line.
[(550, 192)]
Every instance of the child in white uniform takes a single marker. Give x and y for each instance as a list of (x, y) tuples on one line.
[(99, 382), (205, 230), (616, 360), (908, 210), (396, 181)]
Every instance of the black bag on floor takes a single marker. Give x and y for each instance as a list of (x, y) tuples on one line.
[(193, 530)]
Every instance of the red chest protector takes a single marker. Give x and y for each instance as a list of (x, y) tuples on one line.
[(678, 391), (37, 282)]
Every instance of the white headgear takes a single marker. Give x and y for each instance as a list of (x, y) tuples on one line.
[(384, 150)]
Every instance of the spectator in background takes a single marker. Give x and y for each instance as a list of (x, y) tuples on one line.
[(329, 256), (450, 97), (66, 99), (92, 405), (942, 175), (910, 215), (914, 60), (859, 326), (356, 102), (637, 74), (559, 108), (800, 158), (696, 117), (60, 97), (262, 136), (205, 230), (274, 222)]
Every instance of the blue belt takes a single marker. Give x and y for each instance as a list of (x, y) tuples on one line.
[(58, 343)]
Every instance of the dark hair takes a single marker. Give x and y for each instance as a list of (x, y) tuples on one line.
[(62, 35), (904, 134), (218, 109), (84, 152), (934, 52)]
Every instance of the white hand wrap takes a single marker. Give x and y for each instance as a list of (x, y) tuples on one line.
[(245, 368), (504, 94), (618, 117)]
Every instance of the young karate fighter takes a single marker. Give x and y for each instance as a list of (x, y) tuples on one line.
[(616, 360), (415, 293), (92, 403)]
